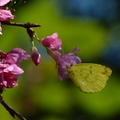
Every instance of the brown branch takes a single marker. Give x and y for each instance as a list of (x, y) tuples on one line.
[(25, 25), (12, 111)]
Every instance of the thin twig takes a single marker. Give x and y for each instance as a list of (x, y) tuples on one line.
[(25, 25), (12, 111)]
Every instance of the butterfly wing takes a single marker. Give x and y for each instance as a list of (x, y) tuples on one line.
[(89, 77)]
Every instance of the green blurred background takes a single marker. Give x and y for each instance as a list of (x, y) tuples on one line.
[(40, 94)]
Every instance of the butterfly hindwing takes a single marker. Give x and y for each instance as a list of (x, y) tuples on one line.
[(89, 77)]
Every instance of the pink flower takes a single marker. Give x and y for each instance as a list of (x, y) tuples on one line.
[(9, 68), (35, 55), (9, 75), (15, 56), (64, 61), (52, 42), (4, 14)]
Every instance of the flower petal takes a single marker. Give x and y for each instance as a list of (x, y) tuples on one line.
[(14, 69), (3, 2), (16, 55), (52, 42), (5, 15), (74, 51)]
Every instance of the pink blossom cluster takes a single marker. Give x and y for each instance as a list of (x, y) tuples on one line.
[(9, 64), (9, 67), (4, 14), (63, 61)]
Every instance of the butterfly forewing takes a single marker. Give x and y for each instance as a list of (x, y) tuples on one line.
[(89, 77)]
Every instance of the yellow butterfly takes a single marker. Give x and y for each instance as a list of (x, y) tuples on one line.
[(89, 77)]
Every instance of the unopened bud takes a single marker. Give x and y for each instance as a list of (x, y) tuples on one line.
[(35, 55)]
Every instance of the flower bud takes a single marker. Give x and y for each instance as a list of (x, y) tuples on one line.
[(35, 55)]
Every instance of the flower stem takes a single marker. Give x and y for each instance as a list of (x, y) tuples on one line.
[(12, 111)]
